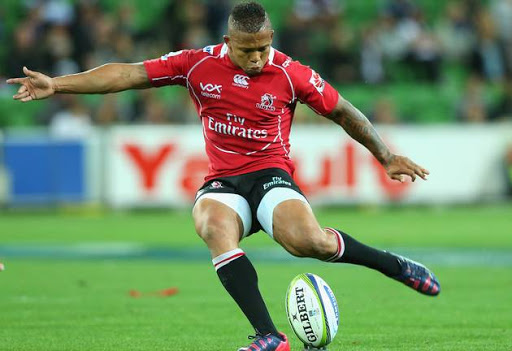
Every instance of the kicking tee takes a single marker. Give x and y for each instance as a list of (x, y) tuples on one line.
[(246, 120)]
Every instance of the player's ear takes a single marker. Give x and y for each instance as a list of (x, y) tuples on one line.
[(226, 39)]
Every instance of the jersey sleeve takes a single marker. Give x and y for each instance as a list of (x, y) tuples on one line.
[(170, 69), (311, 89)]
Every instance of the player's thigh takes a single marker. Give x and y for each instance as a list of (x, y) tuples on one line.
[(296, 228), (221, 220), (286, 216)]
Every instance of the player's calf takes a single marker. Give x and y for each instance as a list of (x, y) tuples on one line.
[(349, 250), (409, 272)]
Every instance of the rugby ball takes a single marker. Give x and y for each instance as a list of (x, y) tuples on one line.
[(312, 310)]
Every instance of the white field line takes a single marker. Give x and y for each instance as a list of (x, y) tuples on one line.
[(120, 250)]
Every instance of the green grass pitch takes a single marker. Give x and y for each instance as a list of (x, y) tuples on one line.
[(84, 304)]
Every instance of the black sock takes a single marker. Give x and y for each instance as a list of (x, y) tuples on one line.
[(352, 251), (239, 277)]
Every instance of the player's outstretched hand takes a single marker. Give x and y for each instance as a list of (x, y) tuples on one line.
[(34, 86), (400, 166)]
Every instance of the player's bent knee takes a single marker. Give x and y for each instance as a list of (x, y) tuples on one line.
[(213, 227), (313, 243), (214, 223)]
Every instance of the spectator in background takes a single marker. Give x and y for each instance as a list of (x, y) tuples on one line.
[(400, 10), (24, 49), (393, 46), (501, 12), (154, 110), (196, 37), (217, 15), (116, 109), (424, 57), (336, 58), (398, 30), (183, 25), (487, 58), (473, 107), (406, 39), (182, 110), (196, 34), (406, 19), (62, 36), (454, 31), (59, 50), (73, 121), (503, 109), (82, 30), (103, 44), (56, 12), (423, 54), (294, 38), (125, 19), (124, 46), (319, 12), (372, 65), (108, 112), (312, 33), (172, 25)]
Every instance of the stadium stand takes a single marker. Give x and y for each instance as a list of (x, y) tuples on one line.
[(402, 51)]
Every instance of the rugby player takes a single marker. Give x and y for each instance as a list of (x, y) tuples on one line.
[(245, 93)]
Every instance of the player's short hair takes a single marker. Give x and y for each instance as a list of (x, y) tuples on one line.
[(248, 17)]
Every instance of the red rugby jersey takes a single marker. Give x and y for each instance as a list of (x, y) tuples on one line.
[(246, 120)]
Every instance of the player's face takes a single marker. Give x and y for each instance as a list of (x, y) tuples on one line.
[(249, 51)]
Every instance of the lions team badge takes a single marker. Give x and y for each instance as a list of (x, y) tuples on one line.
[(267, 102)]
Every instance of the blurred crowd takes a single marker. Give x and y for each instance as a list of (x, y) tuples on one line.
[(400, 44)]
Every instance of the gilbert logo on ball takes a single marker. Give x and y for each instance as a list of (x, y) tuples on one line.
[(312, 310)]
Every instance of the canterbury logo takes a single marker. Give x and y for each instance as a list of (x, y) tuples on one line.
[(211, 87), (241, 80)]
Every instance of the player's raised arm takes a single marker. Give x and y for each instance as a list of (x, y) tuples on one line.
[(109, 78), (359, 128)]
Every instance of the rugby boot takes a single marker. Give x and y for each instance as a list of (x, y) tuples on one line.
[(268, 342), (417, 276)]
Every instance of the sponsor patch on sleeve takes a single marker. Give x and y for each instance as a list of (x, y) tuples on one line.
[(209, 49), (171, 54), (317, 82)]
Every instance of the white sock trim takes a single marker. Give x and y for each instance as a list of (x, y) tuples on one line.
[(341, 245), (227, 257)]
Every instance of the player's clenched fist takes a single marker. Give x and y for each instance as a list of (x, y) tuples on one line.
[(34, 86)]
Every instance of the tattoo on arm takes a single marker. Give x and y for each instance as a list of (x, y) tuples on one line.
[(359, 128)]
